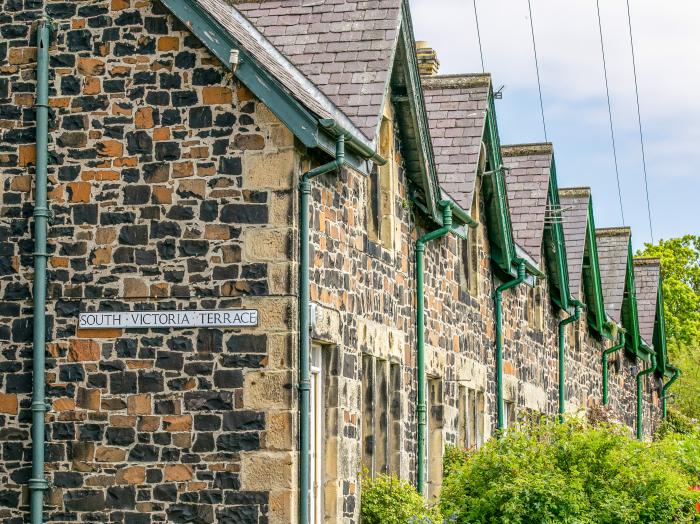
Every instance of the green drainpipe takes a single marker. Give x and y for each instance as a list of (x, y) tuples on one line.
[(640, 411), (498, 304), (447, 208), (562, 355), (620, 345), (304, 326), (37, 482), (664, 391)]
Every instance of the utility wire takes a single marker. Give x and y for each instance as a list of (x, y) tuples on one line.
[(478, 36), (639, 120), (607, 94), (537, 69)]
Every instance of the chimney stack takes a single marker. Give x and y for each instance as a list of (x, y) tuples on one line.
[(428, 63)]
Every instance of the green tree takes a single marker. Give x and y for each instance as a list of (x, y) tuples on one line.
[(680, 267)]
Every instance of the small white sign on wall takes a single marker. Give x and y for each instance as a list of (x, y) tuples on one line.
[(169, 319)]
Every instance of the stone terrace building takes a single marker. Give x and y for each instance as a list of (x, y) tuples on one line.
[(179, 132)]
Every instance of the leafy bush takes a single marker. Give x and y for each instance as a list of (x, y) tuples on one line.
[(388, 500), (454, 458), (571, 473), (676, 423)]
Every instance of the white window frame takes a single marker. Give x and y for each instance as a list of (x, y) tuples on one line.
[(317, 432)]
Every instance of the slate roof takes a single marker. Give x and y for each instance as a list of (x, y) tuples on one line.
[(527, 185), (457, 106), (574, 213), (647, 272), (345, 47), (613, 250)]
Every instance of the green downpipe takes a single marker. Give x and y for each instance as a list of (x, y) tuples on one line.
[(562, 356), (421, 407), (640, 410), (37, 482), (304, 325), (620, 345), (664, 391), (498, 304)]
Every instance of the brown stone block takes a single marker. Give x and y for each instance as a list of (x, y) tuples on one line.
[(27, 154), (89, 66), (79, 191), (256, 471), (217, 232), (99, 333), (110, 148), (149, 424), (77, 23), (199, 152), (194, 186), (88, 399), (118, 5), (508, 368), (91, 86), (82, 350), (102, 256), (182, 169), (138, 405), (168, 43), (21, 55), (243, 94), (101, 176), (271, 170), (175, 423), (177, 473), (217, 95), (161, 289), (161, 133), (249, 142), (135, 288), (121, 109), (144, 118), (107, 454), (122, 421), (126, 161), (131, 475), (63, 404), (182, 440), (21, 183), (105, 235), (139, 364), (8, 403), (162, 195), (27, 99)]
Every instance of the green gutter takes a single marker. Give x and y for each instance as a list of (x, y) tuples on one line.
[(37, 482), (304, 325), (447, 210), (664, 390), (617, 347), (562, 355), (499, 338), (640, 376)]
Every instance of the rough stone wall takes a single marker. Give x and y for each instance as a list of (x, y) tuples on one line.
[(170, 187)]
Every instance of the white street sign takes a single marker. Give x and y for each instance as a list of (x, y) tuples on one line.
[(169, 319)]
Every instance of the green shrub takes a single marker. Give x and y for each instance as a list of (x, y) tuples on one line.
[(678, 423), (454, 458), (570, 473), (388, 500)]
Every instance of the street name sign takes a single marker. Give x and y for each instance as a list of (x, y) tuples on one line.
[(169, 319)]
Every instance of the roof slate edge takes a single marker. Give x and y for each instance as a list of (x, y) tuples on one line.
[(614, 231), (647, 261), (544, 148), (456, 81), (569, 192)]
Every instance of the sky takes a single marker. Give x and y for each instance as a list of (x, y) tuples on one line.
[(667, 53)]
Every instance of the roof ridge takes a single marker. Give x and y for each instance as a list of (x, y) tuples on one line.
[(455, 81), (540, 148), (647, 261), (575, 191), (613, 231)]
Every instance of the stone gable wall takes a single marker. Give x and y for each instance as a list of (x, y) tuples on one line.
[(170, 187)]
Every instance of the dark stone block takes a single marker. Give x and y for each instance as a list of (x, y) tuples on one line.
[(207, 422), (200, 117), (123, 255), (208, 210), (208, 400), (156, 25), (70, 85), (84, 500), (128, 18), (171, 117), (238, 515), (136, 194), (145, 257), (184, 98), (120, 436), (121, 497), (158, 98), (67, 479), (60, 10), (63, 431), (244, 213), (91, 103), (239, 441), (206, 77), (16, 291), (209, 341), (193, 248), (150, 382), (166, 249), (124, 382), (190, 513), (165, 492), (91, 432), (230, 165), (143, 453), (170, 81), (133, 235), (19, 382), (79, 40), (139, 143), (180, 213), (74, 122), (144, 78), (167, 151), (243, 421), (71, 373), (170, 360), (9, 498), (228, 378), (225, 272), (84, 213), (204, 443), (165, 229), (247, 343)]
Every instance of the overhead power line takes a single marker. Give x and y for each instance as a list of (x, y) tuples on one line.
[(537, 69), (478, 36), (607, 94), (639, 120)]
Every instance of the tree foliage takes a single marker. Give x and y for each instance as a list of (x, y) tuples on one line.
[(573, 473), (680, 267)]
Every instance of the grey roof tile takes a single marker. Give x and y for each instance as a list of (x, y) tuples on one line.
[(574, 213), (457, 107), (647, 272), (347, 36), (613, 250), (527, 185)]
